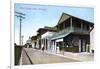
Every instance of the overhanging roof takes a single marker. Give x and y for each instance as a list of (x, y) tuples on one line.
[(66, 16), (63, 18), (60, 36)]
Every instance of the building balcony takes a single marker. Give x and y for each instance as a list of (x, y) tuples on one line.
[(79, 30), (68, 30)]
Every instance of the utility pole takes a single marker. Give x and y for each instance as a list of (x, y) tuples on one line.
[(20, 16), (22, 39)]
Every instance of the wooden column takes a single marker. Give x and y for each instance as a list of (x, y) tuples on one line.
[(41, 43), (71, 23), (79, 45), (48, 44), (45, 44), (63, 25), (81, 27), (55, 46)]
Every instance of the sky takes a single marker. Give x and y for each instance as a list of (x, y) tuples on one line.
[(38, 16)]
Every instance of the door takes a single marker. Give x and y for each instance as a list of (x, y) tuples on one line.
[(82, 47)]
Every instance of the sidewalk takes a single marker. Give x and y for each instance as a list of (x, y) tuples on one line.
[(76, 56), (25, 59)]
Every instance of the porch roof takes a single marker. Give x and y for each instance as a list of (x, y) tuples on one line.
[(66, 34), (59, 36)]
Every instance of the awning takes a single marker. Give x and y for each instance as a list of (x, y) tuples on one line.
[(60, 36), (59, 40)]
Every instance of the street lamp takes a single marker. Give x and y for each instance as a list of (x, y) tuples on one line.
[(20, 16)]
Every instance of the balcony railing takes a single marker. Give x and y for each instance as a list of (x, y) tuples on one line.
[(69, 30), (79, 30)]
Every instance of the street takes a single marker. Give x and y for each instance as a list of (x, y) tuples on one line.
[(32, 56), (24, 58)]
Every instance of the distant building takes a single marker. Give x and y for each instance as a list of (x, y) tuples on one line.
[(45, 38), (34, 41), (28, 43), (40, 36)]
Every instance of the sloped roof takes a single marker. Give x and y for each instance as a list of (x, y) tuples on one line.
[(65, 16), (46, 28), (33, 37)]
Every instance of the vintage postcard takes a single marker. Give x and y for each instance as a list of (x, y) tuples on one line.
[(48, 34)]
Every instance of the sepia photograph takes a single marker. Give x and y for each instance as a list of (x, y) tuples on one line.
[(48, 34)]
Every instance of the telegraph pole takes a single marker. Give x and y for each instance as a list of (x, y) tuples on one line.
[(20, 16), (22, 39)]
